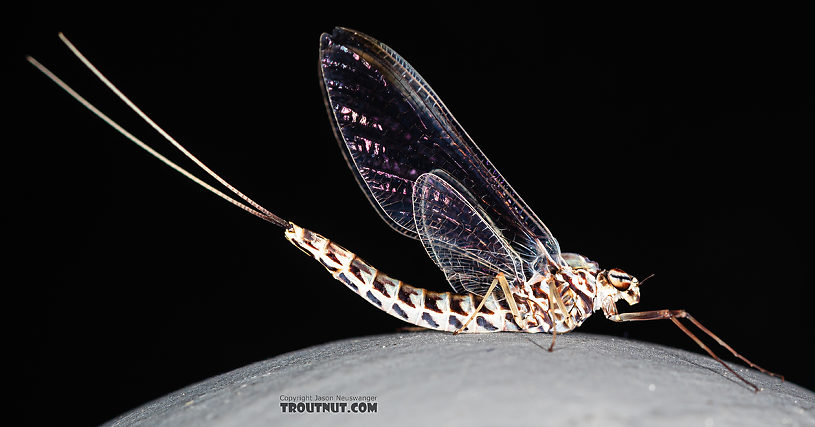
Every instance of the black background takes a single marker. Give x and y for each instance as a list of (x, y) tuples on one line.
[(669, 142)]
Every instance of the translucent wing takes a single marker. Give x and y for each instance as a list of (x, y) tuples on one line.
[(460, 238), (393, 128)]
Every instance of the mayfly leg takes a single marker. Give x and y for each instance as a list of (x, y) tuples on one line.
[(501, 279), (675, 315), (553, 293)]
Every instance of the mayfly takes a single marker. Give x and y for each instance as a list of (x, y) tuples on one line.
[(429, 181)]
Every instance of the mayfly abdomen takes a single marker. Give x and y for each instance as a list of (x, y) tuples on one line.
[(433, 310)]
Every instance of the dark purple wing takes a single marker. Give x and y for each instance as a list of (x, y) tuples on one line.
[(393, 128)]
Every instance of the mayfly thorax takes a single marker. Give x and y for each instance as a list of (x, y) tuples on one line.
[(429, 181)]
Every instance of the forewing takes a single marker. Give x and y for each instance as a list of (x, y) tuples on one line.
[(460, 238), (393, 128)]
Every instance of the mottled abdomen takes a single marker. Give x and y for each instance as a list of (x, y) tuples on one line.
[(441, 311)]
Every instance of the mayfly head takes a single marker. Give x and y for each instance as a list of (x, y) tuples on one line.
[(620, 285)]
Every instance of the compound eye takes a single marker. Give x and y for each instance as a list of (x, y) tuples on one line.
[(619, 279)]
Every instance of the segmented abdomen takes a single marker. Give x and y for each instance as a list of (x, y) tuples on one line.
[(441, 311)]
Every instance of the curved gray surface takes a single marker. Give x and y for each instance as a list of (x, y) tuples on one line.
[(431, 378)]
